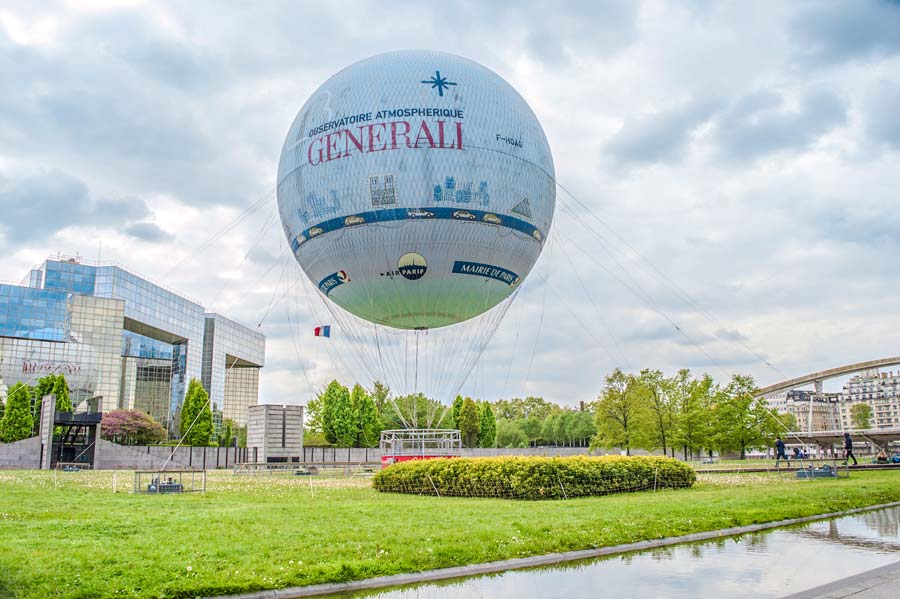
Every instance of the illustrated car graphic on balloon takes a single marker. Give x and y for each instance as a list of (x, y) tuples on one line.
[(419, 213), (315, 231), (353, 220), (491, 218), (463, 215)]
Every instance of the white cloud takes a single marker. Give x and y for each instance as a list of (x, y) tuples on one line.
[(757, 142)]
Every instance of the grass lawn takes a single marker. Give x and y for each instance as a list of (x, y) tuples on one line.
[(70, 536)]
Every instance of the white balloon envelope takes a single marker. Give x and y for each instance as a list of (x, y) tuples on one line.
[(416, 189)]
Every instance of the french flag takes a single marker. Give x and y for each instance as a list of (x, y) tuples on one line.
[(323, 331)]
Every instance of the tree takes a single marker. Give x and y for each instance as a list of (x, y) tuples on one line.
[(327, 404), (43, 387), (242, 436), (661, 406), (487, 432), (861, 416), (61, 391), (457, 406), (313, 414), (582, 428), (196, 416), (469, 423), (694, 400), (531, 426), (743, 421), (226, 436), (509, 434), (519, 409), (17, 420), (131, 427), (344, 426), (787, 421), (621, 412), (367, 424), (554, 428), (381, 395)]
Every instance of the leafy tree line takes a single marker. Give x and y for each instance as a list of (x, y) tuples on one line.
[(355, 417), (345, 418), (684, 414), (535, 421), (20, 417), (678, 414)]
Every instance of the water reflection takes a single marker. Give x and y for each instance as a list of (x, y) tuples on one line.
[(766, 564), (878, 531)]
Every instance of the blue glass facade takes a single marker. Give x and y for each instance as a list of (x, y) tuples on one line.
[(27, 313), (121, 337), (135, 345), (69, 276)]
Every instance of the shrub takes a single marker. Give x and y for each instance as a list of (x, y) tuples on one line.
[(131, 427), (534, 477)]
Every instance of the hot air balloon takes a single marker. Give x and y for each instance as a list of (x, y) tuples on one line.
[(416, 190)]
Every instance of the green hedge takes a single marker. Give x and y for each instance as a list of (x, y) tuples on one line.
[(534, 477)]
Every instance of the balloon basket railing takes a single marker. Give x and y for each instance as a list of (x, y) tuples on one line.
[(419, 444)]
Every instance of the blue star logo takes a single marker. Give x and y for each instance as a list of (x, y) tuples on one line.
[(439, 82)]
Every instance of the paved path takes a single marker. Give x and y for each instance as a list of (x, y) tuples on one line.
[(880, 583)]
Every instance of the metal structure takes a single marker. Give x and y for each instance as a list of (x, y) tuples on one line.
[(68, 439), (816, 378), (811, 468), (419, 444), (77, 440), (156, 482), (831, 439)]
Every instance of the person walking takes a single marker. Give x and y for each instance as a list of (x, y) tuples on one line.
[(848, 449), (779, 449)]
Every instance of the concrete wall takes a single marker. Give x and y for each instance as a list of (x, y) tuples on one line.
[(356, 456), (21, 455), (26, 455), (111, 456)]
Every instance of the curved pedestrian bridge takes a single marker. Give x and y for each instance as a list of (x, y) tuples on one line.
[(824, 375)]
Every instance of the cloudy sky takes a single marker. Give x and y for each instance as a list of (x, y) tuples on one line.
[(730, 171)]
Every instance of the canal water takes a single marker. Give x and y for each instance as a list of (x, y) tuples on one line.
[(767, 564)]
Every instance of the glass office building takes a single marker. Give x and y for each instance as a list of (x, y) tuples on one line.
[(126, 341)]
